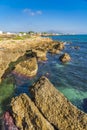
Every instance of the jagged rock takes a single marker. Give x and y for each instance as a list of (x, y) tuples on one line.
[(29, 53), (56, 108), (27, 116), (28, 67), (56, 47), (40, 54), (65, 57), (59, 46)]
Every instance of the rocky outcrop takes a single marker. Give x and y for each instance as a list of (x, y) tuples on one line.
[(59, 46), (11, 50), (56, 108), (56, 47), (27, 116), (65, 57), (28, 67), (40, 54)]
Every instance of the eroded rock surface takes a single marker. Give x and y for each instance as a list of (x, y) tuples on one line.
[(28, 67), (27, 116), (11, 50), (56, 108), (56, 47), (59, 46), (40, 54)]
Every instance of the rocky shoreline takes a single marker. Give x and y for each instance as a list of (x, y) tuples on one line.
[(12, 52), (46, 108)]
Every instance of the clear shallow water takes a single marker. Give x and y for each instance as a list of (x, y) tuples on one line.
[(70, 78)]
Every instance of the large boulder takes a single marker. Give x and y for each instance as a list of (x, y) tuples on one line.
[(65, 57), (28, 67), (27, 116), (56, 108)]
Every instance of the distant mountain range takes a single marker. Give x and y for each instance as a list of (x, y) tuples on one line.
[(54, 31)]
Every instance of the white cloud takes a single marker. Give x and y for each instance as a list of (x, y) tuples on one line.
[(39, 12), (31, 12)]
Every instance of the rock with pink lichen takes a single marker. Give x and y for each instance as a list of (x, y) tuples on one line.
[(9, 122)]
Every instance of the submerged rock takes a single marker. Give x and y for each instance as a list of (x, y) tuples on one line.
[(65, 57), (85, 104), (28, 67), (75, 47), (27, 116), (56, 108)]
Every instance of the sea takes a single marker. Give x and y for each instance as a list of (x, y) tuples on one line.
[(69, 78)]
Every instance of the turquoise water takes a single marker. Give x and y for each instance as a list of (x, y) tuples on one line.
[(70, 78)]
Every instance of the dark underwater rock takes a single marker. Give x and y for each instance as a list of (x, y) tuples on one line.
[(85, 104)]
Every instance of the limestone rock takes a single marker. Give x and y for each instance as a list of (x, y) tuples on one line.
[(27, 116), (40, 54), (56, 47), (65, 57), (59, 46), (54, 51), (28, 67), (56, 108), (12, 49)]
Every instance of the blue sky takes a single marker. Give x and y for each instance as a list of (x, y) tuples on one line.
[(68, 16)]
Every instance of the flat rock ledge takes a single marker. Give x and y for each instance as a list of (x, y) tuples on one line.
[(56, 108)]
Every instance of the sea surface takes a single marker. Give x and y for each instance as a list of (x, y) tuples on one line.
[(69, 78)]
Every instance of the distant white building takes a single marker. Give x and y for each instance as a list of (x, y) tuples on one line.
[(9, 33), (24, 34), (1, 32)]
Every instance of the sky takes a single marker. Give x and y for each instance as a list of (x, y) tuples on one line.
[(64, 16)]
